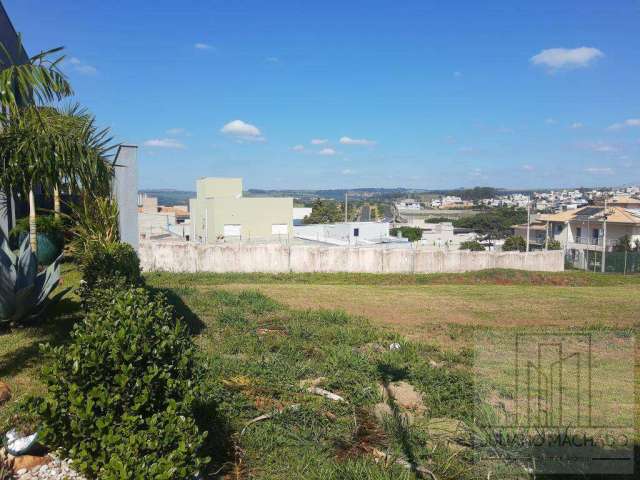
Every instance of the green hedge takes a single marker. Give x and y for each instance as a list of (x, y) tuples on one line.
[(109, 261), (121, 395)]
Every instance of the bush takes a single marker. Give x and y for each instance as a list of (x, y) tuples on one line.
[(472, 245), (46, 225), (413, 234), (120, 397), (109, 261), (94, 220), (514, 244), (554, 245)]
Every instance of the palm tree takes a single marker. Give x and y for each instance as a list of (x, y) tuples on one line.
[(22, 87), (55, 148)]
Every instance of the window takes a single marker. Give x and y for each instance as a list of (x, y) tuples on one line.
[(279, 229), (356, 232), (232, 230)]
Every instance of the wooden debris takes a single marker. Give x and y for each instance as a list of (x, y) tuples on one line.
[(325, 393), (266, 416)]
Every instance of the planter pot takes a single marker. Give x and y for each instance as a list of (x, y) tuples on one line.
[(49, 247)]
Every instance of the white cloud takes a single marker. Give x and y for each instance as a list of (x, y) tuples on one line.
[(466, 150), (319, 141), (327, 152), (604, 148), (348, 171), (599, 170), (81, 67), (577, 125), (558, 58), (550, 121), (176, 131), (202, 46), (356, 141), (164, 143), (298, 148), (243, 130), (630, 122), (528, 168)]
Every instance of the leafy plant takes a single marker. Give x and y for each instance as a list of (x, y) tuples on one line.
[(554, 245), (413, 234), (95, 223), (47, 224), (514, 243), (110, 260), (24, 292), (472, 245), (120, 397)]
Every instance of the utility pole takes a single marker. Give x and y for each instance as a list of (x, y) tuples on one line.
[(528, 221), (346, 207), (604, 237)]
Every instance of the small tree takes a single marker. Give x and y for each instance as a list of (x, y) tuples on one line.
[(624, 244), (554, 245), (514, 244), (473, 245), (413, 234), (324, 211)]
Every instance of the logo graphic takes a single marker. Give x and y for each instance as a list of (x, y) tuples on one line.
[(558, 403)]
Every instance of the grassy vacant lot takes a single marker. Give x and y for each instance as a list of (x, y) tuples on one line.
[(267, 338)]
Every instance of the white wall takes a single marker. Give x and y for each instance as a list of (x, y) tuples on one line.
[(277, 258)]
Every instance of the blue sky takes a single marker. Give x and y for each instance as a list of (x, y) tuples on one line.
[(418, 93)]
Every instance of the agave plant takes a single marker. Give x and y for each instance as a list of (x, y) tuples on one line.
[(24, 292)]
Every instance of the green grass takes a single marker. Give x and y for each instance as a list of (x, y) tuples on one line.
[(489, 277), (260, 347)]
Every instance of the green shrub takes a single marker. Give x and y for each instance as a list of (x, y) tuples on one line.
[(108, 261), (554, 245), (472, 245), (121, 395), (514, 244), (413, 234)]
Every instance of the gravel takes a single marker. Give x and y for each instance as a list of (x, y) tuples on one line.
[(55, 470)]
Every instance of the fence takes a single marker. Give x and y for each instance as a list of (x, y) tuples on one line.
[(278, 258), (615, 262)]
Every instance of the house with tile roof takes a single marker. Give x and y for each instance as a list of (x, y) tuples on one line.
[(583, 228)]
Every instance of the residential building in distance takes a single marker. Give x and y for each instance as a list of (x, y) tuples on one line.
[(349, 233), (408, 204), (159, 222), (220, 213), (583, 229)]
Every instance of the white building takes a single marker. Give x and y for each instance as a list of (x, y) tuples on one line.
[(350, 233)]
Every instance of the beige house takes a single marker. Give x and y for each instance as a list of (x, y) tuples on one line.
[(220, 213), (583, 229)]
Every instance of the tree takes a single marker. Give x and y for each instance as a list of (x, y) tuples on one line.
[(324, 211), (413, 234), (472, 245), (24, 86), (494, 223), (624, 244), (55, 149), (514, 243)]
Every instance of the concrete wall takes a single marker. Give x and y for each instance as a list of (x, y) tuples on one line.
[(277, 258), (125, 189)]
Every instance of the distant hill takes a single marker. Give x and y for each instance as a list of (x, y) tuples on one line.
[(171, 197)]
